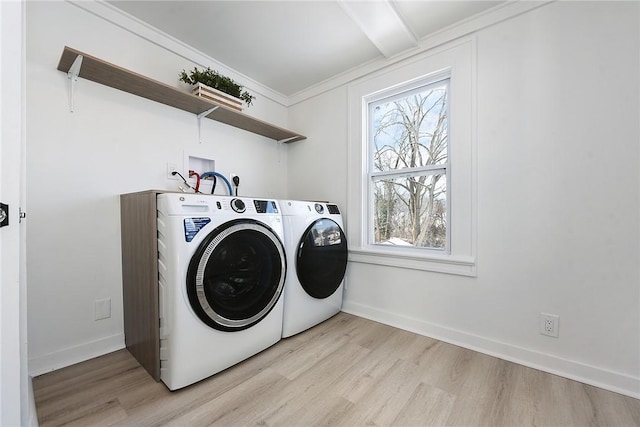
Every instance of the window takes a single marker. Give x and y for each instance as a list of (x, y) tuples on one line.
[(408, 162), (411, 194)]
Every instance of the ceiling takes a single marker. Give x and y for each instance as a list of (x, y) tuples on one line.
[(290, 46)]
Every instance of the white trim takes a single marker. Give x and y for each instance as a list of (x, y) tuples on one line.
[(463, 28), (118, 17), (617, 382), (423, 84), (70, 356), (460, 265), (15, 395), (440, 168), (460, 29), (32, 417), (459, 58)]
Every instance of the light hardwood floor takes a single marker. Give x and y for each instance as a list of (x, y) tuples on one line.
[(347, 371)]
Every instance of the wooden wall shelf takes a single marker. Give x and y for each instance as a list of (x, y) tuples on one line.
[(111, 75)]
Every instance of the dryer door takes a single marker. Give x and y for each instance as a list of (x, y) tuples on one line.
[(322, 258), (236, 275)]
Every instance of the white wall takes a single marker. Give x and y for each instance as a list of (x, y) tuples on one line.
[(318, 165), (558, 199), (78, 164)]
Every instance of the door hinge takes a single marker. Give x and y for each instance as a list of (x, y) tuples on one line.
[(21, 215)]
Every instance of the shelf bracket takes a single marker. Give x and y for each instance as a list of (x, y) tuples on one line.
[(279, 150), (287, 139), (200, 116), (72, 77)]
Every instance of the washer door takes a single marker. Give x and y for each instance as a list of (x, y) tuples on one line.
[(236, 275), (322, 258)]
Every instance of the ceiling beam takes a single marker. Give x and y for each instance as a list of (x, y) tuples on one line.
[(382, 24)]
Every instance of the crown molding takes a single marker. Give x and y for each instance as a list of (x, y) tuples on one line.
[(460, 29), (112, 14), (118, 17)]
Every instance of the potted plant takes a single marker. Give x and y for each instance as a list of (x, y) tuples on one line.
[(216, 87)]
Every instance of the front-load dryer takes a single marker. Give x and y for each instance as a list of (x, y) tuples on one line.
[(316, 248), (222, 267)]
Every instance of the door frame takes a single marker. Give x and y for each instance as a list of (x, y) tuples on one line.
[(17, 405)]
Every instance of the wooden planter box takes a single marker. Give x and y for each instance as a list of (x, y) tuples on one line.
[(211, 94)]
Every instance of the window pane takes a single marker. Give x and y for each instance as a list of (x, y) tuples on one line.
[(410, 129), (411, 211)]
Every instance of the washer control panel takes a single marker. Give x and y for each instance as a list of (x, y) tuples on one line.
[(265, 206)]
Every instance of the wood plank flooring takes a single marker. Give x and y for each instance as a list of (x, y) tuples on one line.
[(347, 371)]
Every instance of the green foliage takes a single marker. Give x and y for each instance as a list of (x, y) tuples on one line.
[(217, 81)]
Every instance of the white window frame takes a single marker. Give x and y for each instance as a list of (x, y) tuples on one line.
[(455, 61), (413, 87)]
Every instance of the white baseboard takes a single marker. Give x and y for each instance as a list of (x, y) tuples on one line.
[(32, 420), (592, 375), (70, 356)]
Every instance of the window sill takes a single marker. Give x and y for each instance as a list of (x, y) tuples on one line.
[(449, 264)]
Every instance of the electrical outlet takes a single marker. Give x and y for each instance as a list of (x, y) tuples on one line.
[(549, 324), (102, 308), (235, 182), (170, 168)]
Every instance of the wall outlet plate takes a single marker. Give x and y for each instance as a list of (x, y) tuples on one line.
[(102, 308), (170, 168), (549, 324)]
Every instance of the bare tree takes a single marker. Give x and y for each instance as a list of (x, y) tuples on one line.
[(412, 133)]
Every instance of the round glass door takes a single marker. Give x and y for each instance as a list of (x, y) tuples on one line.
[(236, 275), (322, 258)]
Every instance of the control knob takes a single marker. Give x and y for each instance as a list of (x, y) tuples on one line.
[(238, 205)]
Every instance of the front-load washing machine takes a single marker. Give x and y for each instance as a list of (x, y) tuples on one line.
[(316, 248), (222, 267)]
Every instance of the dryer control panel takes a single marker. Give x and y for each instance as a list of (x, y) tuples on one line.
[(333, 209)]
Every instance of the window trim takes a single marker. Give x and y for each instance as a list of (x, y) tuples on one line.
[(457, 60), (415, 86)]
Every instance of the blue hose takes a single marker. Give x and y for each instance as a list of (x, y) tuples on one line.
[(219, 175)]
